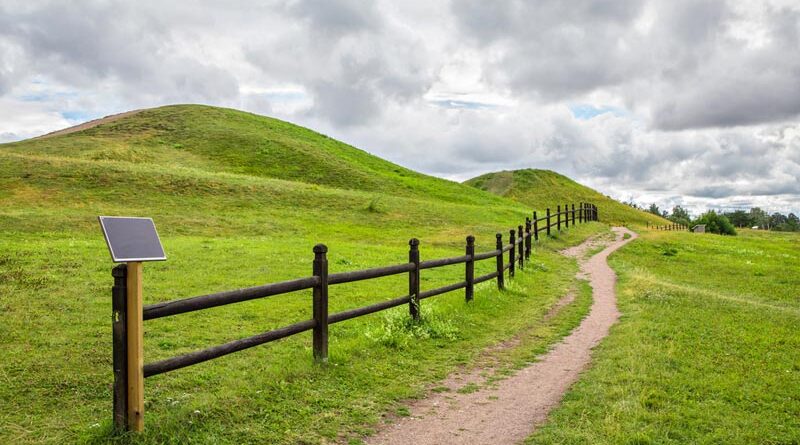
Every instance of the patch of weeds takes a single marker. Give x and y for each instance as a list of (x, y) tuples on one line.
[(439, 389), (541, 267), (403, 411), (374, 205), (669, 250), (469, 388), (626, 236), (398, 329)]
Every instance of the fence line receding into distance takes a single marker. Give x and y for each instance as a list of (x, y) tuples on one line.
[(519, 248), (670, 227)]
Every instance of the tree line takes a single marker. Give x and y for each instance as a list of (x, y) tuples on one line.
[(726, 222)]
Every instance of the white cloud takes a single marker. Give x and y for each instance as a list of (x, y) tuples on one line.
[(703, 95)]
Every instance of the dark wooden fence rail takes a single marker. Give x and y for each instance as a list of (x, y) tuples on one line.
[(671, 227), (519, 248)]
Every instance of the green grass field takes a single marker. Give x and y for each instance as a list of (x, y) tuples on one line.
[(240, 200), (707, 351)]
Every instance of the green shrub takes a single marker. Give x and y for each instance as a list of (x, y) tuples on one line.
[(716, 223)]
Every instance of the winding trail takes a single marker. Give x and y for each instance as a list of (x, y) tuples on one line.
[(510, 411)]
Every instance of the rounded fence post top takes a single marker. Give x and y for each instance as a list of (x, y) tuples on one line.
[(519, 227), (470, 239), (119, 270), (320, 248), (512, 232), (413, 242), (498, 235)]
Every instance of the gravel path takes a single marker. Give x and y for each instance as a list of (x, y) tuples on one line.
[(511, 410)]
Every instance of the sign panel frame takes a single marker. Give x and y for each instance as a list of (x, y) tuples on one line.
[(147, 233)]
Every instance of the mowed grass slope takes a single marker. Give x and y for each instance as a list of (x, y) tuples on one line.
[(707, 351), (239, 200), (545, 188)]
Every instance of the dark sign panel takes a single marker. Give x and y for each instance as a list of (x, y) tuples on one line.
[(132, 239)]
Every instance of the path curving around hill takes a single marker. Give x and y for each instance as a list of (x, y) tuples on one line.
[(511, 410)]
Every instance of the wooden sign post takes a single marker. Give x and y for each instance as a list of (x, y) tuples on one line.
[(132, 241), (135, 348)]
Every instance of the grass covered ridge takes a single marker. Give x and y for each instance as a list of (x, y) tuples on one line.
[(550, 189)]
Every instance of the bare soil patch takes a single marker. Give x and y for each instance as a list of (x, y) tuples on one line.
[(88, 125)]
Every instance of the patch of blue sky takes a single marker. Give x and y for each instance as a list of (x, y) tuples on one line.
[(44, 96), (76, 116), (586, 111), (463, 104)]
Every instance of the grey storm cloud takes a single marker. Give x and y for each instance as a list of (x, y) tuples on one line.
[(685, 67), (349, 57), (116, 41), (694, 98)]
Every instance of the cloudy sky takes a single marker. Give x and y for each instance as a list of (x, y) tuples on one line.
[(675, 102)]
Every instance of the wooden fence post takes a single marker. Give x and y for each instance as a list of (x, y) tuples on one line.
[(320, 308), (580, 212), (521, 242), (535, 227), (119, 320), (566, 215), (558, 217), (573, 214), (511, 259), (413, 278), (470, 268), (499, 248), (528, 236), (596, 215)]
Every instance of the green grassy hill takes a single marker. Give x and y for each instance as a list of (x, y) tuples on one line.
[(223, 140), (209, 170), (239, 200), (544, 188)]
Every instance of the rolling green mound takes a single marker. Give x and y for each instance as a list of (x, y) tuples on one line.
[(220, 140), (200, 169), (545, 188)]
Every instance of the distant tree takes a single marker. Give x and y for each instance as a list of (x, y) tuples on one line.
[(740, 218), (716, 223), (793, 222), (759, 218), (654, 209), (680, 215), (778, 221)]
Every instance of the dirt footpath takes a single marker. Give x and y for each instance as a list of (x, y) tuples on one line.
[(510, 411)]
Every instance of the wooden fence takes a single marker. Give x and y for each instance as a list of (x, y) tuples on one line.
[(673, 226), (128, 381)]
